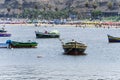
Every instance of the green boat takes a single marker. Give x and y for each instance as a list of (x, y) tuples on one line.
[(16, 44), (46, 34)]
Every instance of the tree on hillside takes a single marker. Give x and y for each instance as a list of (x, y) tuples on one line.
[(36, 6), (87, 4), (56, 9), (49, 7), (94, 4), (20, 9), (96, 13), (119, 4), (44, 8), (8, 9), (35, 14), (69, 5), (26, 13), (110, 5), (119, 8)]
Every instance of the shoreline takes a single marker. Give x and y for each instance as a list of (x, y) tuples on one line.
[(61, 25)]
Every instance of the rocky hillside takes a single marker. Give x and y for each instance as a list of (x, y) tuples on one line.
[(60, 4), (74, 5)]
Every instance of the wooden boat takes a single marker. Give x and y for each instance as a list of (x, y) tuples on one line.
[(112, 39), (16, 44), (74, 48), (52, 34), (5, 35)]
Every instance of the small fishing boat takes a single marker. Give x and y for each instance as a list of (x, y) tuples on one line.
[(52, 34), (113, 39), (2, 30), (5, 35), (16, 44), (74, 48)]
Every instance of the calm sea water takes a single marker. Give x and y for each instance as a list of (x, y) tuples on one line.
[(102, 61)]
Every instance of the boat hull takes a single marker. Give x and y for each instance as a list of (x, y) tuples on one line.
[(4, 45), (74, 51), (47, 35), (112, 39), (23, 44), (3, 31), (5, 35)]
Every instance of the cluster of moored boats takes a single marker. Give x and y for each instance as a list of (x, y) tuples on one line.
[(15, 44), (72, 47)]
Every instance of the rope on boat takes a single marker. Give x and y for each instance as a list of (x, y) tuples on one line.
[(69, 50), (61, 41)]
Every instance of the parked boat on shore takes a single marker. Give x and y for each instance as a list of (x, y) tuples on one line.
[(46, 34)]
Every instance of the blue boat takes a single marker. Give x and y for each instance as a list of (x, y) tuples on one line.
[(5, 35), (113, 39)]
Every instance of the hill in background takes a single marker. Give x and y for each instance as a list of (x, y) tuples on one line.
[(77, 6)]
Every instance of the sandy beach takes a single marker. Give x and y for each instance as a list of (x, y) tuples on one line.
[(83, 24), (59, 25)]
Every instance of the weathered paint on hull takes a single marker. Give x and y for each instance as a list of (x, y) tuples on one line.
[(46, 36), (74, 51)]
